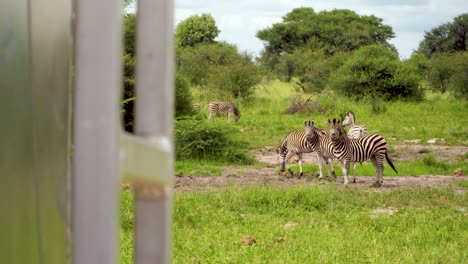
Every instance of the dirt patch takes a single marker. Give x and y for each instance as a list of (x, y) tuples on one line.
[(268, 176)]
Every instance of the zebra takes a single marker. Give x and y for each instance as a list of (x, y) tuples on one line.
[(318, 139), (355, 131), (296, 143), (222, 108), (347, 150)]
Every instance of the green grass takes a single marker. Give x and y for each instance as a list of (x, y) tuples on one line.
[(463, 184), (263, 123), (197, 168), (331, 224), (426, 165)]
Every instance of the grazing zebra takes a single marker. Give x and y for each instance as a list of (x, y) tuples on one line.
[(318, 139), (296, 143), (355, 131), (347, 150), (222, 108)]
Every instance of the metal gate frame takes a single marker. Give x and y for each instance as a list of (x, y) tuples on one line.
[(100, 143)]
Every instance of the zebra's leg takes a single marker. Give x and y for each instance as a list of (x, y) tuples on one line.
[(345, 168), (380, 162), (330, 168), (354, 172), (288, 156), (374, 161), (228, 116), (320, 161), (300, 164)]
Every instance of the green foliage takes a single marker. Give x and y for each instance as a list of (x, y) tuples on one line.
[(198, 139), (446, 38), (129, 72), (336, 30), (219, 69), (195, 30), (183, 102), (448, 73), (376, 71)]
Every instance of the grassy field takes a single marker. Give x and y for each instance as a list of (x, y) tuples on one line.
[(319, 224), (263, 123), (325, 223)]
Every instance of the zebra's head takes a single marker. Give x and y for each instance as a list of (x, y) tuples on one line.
[(336, 129), (308, 128), (349, 119), (236, 113)]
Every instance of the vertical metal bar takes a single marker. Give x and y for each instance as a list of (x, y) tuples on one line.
[(154, 118), (96, 130)]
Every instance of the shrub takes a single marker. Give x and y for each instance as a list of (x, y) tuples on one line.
[(375, 70), (198, 139)]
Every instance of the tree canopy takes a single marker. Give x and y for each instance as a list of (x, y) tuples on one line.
[(195, 30), (446, 38), (333, 31)]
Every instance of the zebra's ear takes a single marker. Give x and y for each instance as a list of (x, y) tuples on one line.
[(305, 122)]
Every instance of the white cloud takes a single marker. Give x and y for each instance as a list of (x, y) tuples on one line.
[(240, 20)]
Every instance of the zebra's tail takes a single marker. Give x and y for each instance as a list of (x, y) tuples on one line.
[(390, 162)]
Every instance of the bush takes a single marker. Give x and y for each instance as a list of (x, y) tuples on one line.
[(198, 139), (376, 71), (183, 102)]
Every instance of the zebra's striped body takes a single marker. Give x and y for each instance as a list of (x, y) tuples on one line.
[(318, 139), (348, 150), (296, 143), (355, 131), (221, 108)]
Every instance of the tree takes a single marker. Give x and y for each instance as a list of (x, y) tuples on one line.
[(195, 30), (376, 71), (219, 69), (446, 38), (306, 46), (333, 31)]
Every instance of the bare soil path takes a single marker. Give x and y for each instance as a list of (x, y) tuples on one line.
[(268, 176)]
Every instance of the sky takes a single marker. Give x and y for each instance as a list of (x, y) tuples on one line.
[(239, 20)]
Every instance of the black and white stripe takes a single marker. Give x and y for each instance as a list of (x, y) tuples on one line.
[(221, 108), (348, 150), (355, 131), (319, 140), (296, 143)]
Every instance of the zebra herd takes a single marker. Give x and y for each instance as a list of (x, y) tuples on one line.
[(348, 148)]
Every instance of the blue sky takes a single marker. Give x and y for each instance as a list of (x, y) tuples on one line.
[(240, 20)]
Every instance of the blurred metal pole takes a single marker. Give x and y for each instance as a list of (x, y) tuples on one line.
[(154, 119), (95, 177)]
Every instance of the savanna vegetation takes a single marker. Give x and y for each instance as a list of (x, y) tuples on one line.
[(314, 66)]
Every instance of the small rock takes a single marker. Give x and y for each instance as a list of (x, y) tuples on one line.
[(290, 224), (458, 172), (248, 240)]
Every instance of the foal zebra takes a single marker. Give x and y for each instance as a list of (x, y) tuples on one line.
[(296, 143), (221, 108), (347, 150), (355, 131)]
